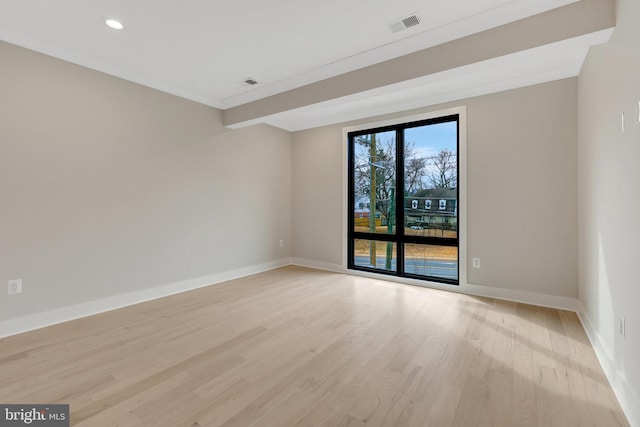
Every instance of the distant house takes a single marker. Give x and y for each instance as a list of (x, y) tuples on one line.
[(362, 212), (432, 208)]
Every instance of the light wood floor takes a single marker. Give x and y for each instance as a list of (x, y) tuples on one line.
[(296, 346)]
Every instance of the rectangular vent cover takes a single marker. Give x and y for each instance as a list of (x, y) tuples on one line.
[(411, 21), (404, 23)]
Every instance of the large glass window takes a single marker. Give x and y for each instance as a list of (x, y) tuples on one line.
[(403, 200)]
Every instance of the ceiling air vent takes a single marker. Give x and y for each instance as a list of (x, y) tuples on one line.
[(250, 81), (404, 23), (411, 21)]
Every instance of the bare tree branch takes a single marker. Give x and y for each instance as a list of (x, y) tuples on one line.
[(443, 170)]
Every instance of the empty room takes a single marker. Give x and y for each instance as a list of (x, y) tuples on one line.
[(305, 213)]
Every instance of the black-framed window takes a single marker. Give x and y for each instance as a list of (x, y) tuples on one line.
[(403, 200)]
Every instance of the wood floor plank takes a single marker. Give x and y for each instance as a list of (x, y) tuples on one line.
[(302, 347)]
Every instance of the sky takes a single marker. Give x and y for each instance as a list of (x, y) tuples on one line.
[(427, 140), (431, 139)]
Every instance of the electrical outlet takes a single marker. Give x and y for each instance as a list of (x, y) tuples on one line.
[(281, 243), (476, 263), (621, 326), (14, 287)]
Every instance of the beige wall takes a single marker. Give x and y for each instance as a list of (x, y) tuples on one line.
[(317, 195), (522, 196), (609, 202), (108, 187)]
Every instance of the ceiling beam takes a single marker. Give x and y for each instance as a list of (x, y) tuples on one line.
[(574, 20)]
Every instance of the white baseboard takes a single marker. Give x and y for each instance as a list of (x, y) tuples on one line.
[(629, 402), (318, 265), (542, 300), (64, 314)]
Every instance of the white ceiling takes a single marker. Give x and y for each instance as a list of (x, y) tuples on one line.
[(203, 49)]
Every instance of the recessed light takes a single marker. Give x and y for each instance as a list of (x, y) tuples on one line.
[(113, 24)]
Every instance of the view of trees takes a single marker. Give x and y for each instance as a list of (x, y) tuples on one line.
[(443, 170), (405, 174), (375, 174), (375, 177), (375, 171)]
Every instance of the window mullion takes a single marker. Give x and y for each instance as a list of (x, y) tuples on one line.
[(400, 200)]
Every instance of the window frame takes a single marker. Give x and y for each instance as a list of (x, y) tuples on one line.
[(399, 237)]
